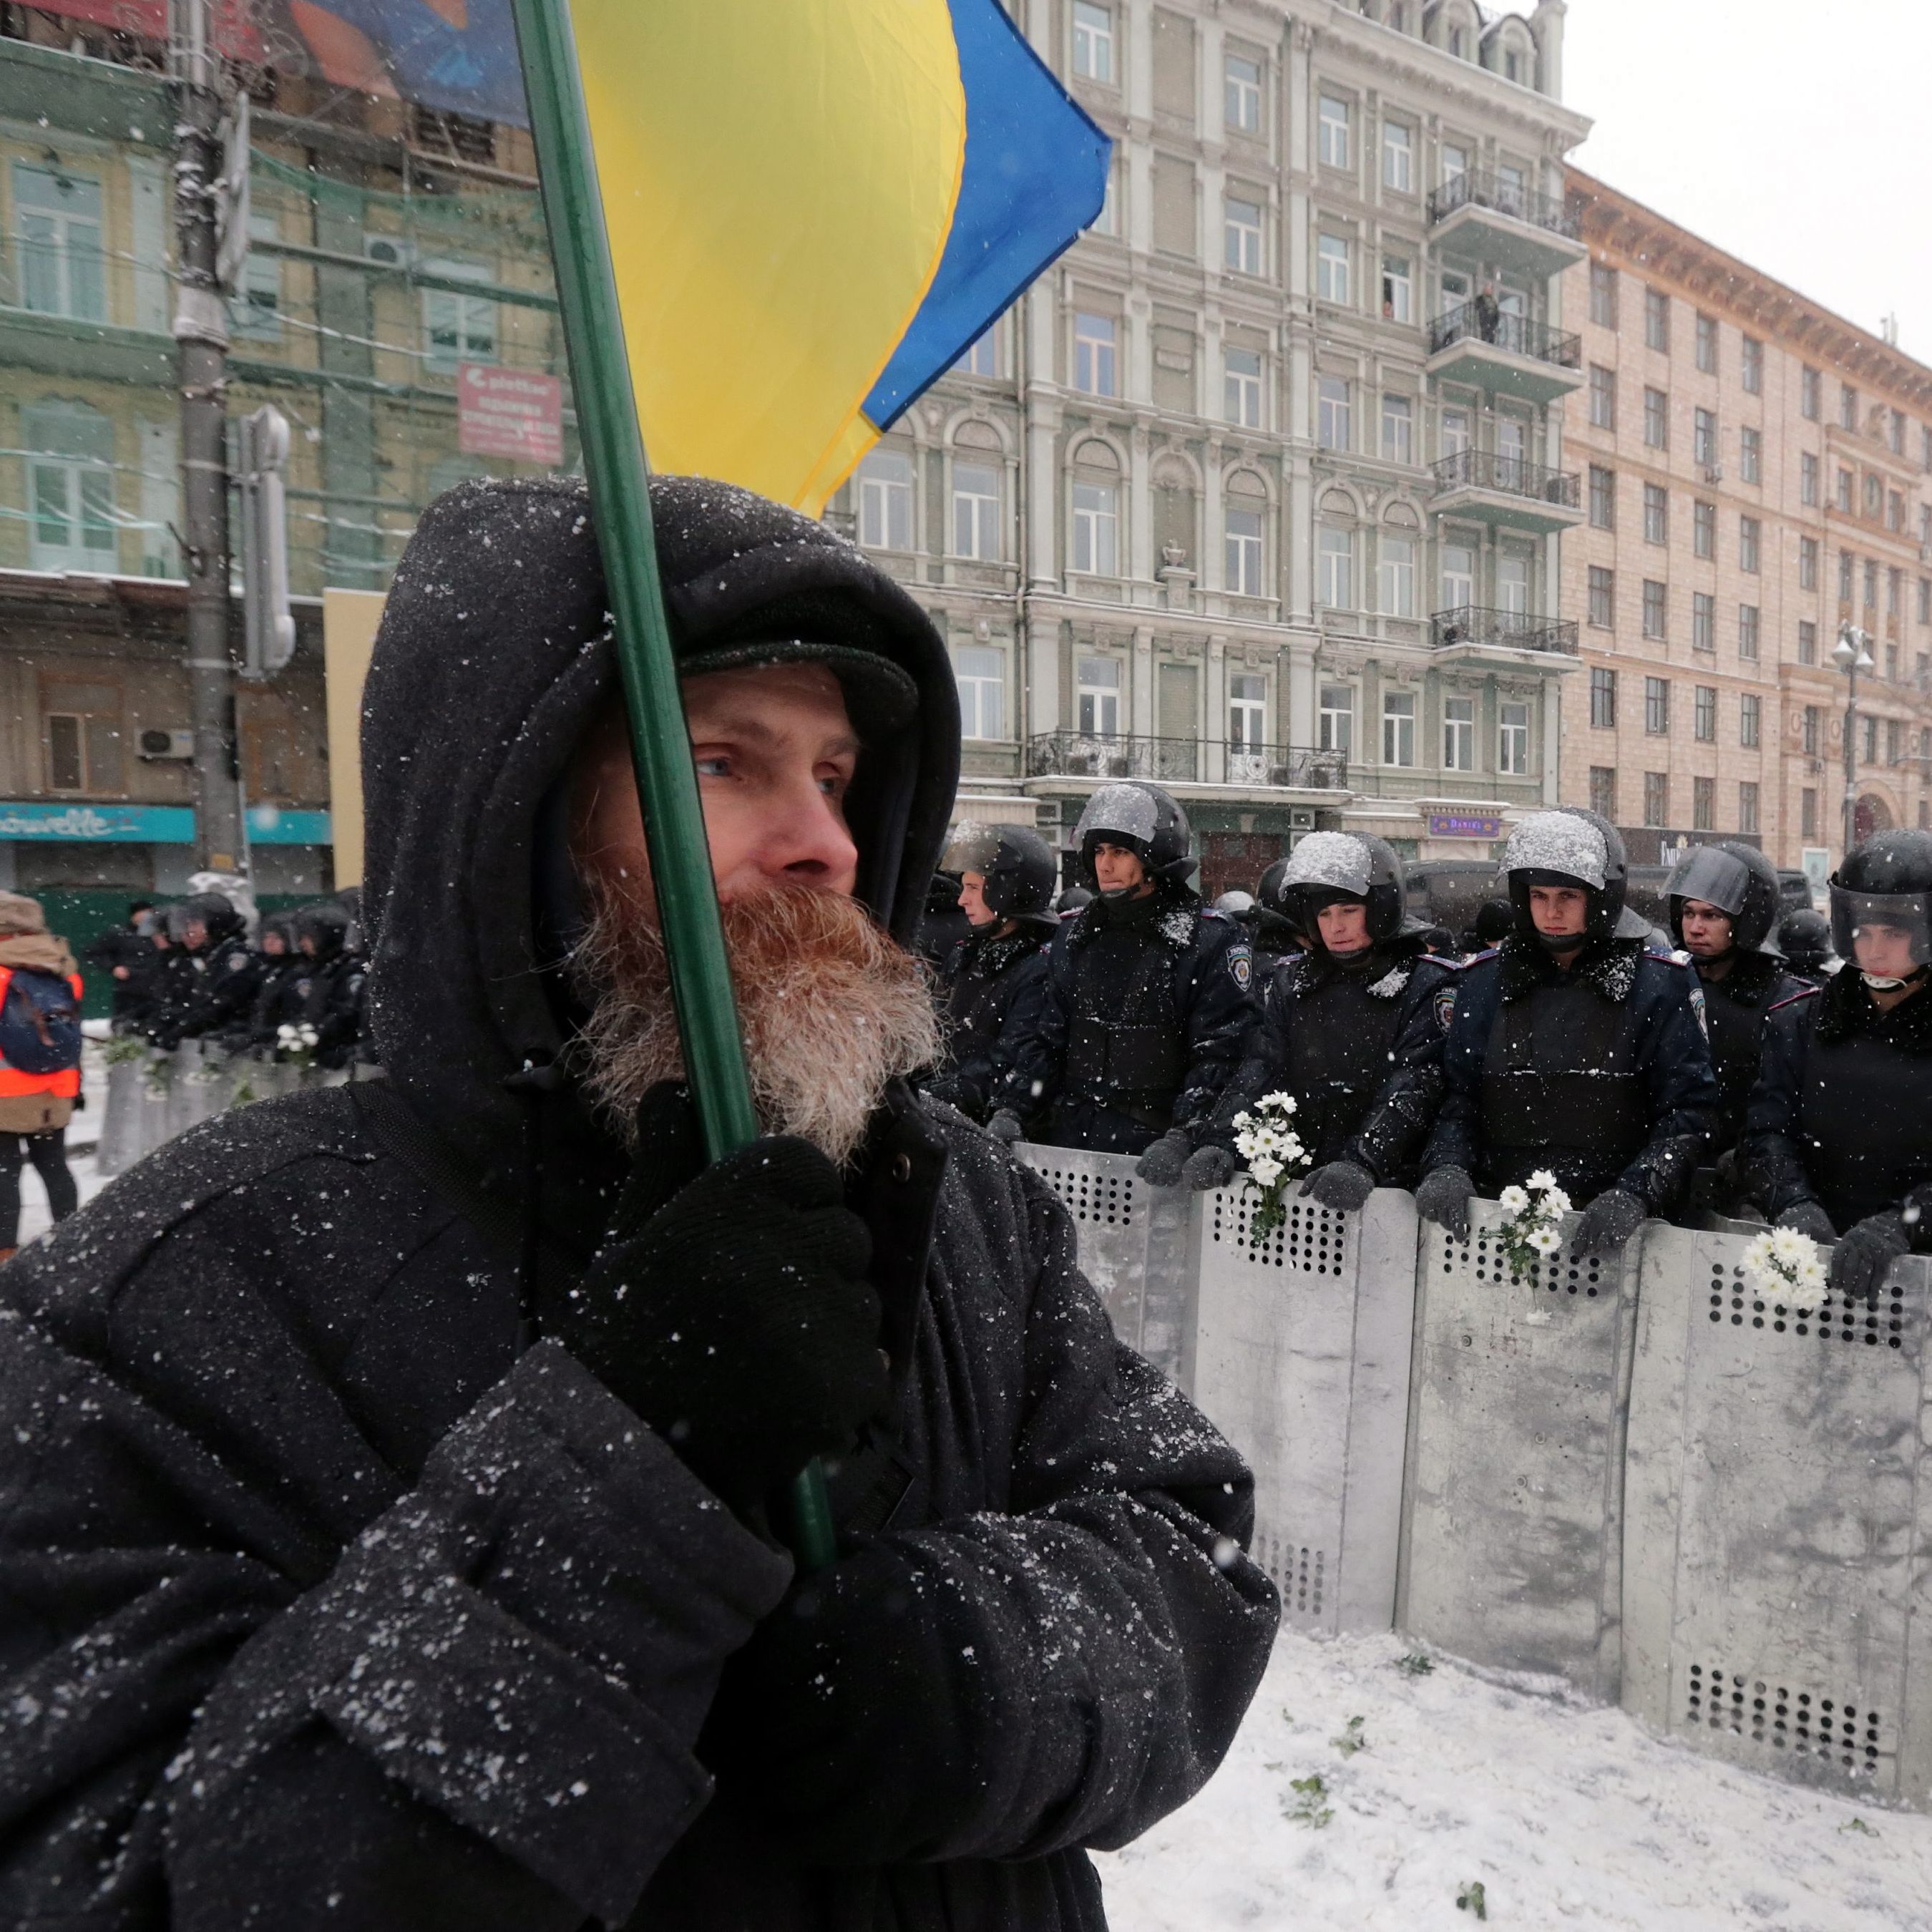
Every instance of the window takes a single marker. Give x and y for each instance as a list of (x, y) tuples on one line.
[(255, 311), (1331, 269), (1874, 495), (1656, 706), (1870, 724), (1603, 697), (1808, 563), (1925, 447), (70, 487), (982, 355), (1704, 439), (1513, 585), (1241, 93), (1703, 621), (1398, 727), (1241, 386), (1241, 236), (1459, 734), (1847, 485), (1398, 158), (1654, 620), (1848, 407), (1335, 727), (83, 723), (1871, 583), (458, 328), (1751, 456), (1603, 295), (976, 510), (1602, 397), (1894, 740), (1925, 600), (1704, 529), (1895, 438), (1807, 641), (1603, 498), (57, 218), (1894, 592), (1807, 815), (1656, 797), (1707, 344), (1703, 805), (1656, 419), (1098, 696), (1333, 140), (1455, 163), (1750, 537), (1459, 576), (1455, 432), (1398, 429), (1397, 568), (1242, 529), (1847, 567), (1602, 597), (1751, 364), (1095, 369), (1891, 663), (1513, 739), (1704, 714), (1398, 289), (1335, 565), (1750, 718), (885, 501), (1895, 510), (1656, 514), (1093, 41), (1747, 630), (1810, 730), (1807, 480), (1332, 424), (1247, 711), (1603, 791), (980, 673), (1107, 221), (1810, 389), (1747, 805), (1657, 319), (1096, 529)]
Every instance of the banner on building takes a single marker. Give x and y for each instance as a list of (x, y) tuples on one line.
[(512, 412), (74, 823)]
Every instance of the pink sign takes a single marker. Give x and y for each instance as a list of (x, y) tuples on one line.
[(512, 413)]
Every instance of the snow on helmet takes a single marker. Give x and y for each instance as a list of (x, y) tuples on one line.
[(1237, 904), (1885, 881), (1016, 863), (1736, 878), (1328, 868), (1561, 847), (1142, 818)]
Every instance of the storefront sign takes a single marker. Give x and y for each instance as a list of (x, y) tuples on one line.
[(99, 824), (270, 825), (1465, 824), (511, 412)]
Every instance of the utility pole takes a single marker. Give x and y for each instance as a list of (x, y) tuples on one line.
[(201, 338)]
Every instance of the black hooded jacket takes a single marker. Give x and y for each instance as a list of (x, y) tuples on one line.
[(327, 1599), (994, 986)]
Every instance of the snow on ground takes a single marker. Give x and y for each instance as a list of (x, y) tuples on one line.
[(1568, 1815)]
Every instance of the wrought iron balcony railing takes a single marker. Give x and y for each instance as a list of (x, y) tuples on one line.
[(1484, 187), (1511, 630), (1188, 760), (1513, 475), (1517, 334)]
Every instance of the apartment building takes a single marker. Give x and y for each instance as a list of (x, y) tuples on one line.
[(1261, 490), (1757, 476)]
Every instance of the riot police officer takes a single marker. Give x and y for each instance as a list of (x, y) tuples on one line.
[(217, 993), (1838, 1136), (1273, 937), (1571, 1048), (1149, 992), (1723, 900), (1805, 940), (996, 979), (1351, 1026)]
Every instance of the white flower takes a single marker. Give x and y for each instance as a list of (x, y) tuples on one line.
[(1555, 1201), (1266, 1170), (1758, 1251), (1545, 1240), (1541, 1179), (1512, 1200), (1285, 1101), (1244, 1119), (1784, 1244), (1292, 1150)]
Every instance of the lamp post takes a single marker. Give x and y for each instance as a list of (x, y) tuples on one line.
[(1852, 654)]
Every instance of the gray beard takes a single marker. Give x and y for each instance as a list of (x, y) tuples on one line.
[(829, 1008)]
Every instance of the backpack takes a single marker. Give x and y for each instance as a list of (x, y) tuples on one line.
[(40, 1023)]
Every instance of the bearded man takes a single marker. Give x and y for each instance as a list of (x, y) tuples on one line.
[(393, 1470)]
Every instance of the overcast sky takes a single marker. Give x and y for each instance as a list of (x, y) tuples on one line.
[(1795, 136)]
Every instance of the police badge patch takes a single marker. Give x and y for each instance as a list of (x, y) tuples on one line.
[(1445, 1006), (1240, 963)]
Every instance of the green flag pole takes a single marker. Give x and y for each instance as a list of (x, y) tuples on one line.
[(619, 477)]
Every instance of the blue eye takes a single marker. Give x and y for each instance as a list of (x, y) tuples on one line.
[(713, 768)]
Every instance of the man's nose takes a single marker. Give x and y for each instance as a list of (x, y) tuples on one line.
[(807, 842)]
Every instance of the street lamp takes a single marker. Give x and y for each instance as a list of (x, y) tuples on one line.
[(1852, 654)]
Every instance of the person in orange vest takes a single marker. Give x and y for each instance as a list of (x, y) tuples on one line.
[(39, 1060)]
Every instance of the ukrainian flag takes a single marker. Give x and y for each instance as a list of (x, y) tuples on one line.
[(814, 206)]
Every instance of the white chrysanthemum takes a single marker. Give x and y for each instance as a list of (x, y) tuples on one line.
[(1292, 1151), (1555, 1201), (1266, 1169), (1244, 1119), (1788, 1245), (1758, 1251), (1285, 1101), (1512, 1200), (1541, 1179), (1545, 1240)]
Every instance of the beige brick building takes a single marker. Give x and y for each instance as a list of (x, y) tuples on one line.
[(1757, 471)]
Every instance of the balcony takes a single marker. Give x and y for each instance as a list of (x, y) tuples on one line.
[(1480, 215), (1508, 355), (1079, 755), (1474, 631), (1507, 492)]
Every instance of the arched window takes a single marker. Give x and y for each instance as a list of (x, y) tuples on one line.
[(978, 528), (1244, 526), (1096, 511)]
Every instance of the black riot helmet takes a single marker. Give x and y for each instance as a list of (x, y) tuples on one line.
[(1018, 865), (1327, 868), (1238, 905), (1144, 818), (1075, 898), (1885, 881), (1563, 847), (1737, 879), (324, 922), (1626, 922), (217, 914), (1805, 940)]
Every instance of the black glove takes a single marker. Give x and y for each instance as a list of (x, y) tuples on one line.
[(1343, 1185), (1860, 1261), (1608, 1222), (80, 1102), (1444, 1199), (1005, 1127), (734, 1316), (1160, 1166), (1808, 1217), (1208, 1167)]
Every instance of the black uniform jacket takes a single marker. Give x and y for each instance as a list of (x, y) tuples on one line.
[(328, 1599), (994, 987), (1734, 1008)]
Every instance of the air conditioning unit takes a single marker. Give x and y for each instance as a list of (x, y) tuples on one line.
[(161, 744), (1714, 472), (393, 251)]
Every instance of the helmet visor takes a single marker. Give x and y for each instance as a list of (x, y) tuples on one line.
[(1887, 934), (1718, 878)]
